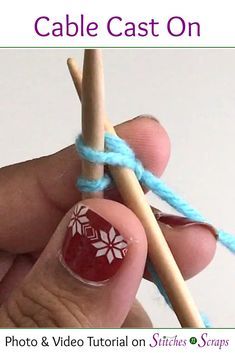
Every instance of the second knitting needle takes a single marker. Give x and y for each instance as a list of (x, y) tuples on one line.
[(92, 113), (159, 252)]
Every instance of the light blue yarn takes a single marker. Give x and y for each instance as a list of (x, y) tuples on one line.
[(87, 185), (118, 153), (162, 291)]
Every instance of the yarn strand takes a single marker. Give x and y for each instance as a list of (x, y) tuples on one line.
[(119, 153)]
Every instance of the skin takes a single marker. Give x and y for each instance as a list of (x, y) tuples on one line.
[(36, 201)]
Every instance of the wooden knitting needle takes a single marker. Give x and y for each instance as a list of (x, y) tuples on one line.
[(93, 113), (159, 252)]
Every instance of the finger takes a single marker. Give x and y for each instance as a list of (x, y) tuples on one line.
[(193, 246), (88, 274), (6, 261), (35, 195), (137, 317), (21, 265)]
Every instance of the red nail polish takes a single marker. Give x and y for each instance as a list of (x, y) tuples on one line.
[(93, 249), (174, 221)]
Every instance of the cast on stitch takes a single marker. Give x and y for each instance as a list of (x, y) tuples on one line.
[(118, 153)]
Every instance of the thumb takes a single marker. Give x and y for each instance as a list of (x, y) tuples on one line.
[(88, 274)]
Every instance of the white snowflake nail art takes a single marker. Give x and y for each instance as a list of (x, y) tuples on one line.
[(79, 221), (111, 245)]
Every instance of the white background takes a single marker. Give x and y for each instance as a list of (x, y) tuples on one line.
[(190, 91), (216, 18)]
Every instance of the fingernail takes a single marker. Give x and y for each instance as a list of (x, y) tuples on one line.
[(93, 249), (174, 221), (148, 116)]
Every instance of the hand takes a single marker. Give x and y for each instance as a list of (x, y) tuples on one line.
[(53, 254)]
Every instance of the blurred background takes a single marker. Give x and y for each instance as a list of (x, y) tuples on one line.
[(191, 92)]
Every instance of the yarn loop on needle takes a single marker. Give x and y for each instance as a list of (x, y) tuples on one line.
[(119, 153)]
